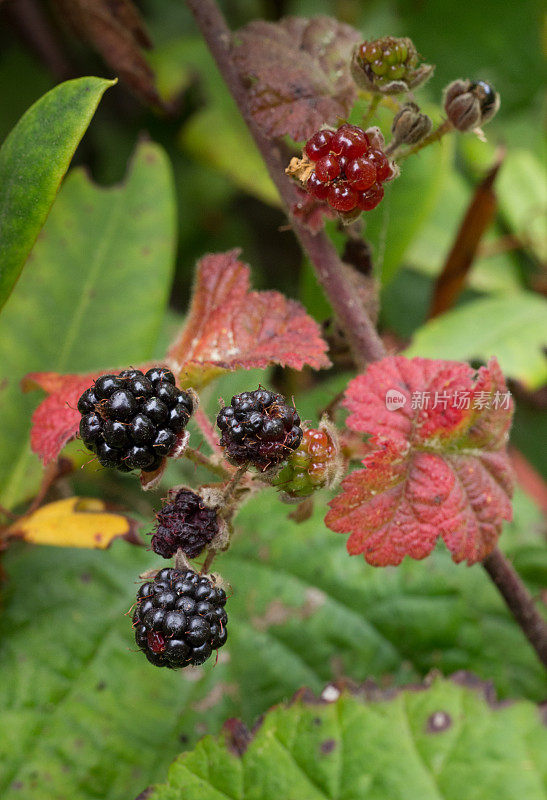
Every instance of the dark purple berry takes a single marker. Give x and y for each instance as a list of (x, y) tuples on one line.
[(115, 434), (108, 456), (142, 430), (87, 402), (178, 418), (90, 428), (155, 410), (186, 524), (260, 430), (164, 442), (106, 385), (175, 636), (140, 387), (131, 373), (121, 405), (139, 457), (160, 375), (167, 393)]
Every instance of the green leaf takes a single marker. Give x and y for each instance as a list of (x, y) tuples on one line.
[(33, 160), (409, 200), (90, 718), (522, 193), (446, 740), (93, 296), (429, 250), (514, 329), (237, 156)]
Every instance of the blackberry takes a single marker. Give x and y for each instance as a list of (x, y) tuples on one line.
[(131, 420), (346, 170), (185, 523), (259, 428), (179, 618)]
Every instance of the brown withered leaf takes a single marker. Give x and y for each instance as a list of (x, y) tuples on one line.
[(115, 29), (297, 73), (231, 327)]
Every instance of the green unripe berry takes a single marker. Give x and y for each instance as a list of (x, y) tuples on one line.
[(379, 68), (396, 71)]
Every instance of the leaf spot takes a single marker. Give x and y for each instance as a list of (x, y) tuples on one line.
[(438, 721)]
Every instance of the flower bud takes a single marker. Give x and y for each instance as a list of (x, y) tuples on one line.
[(410, 126), (470, 104), (388, 66)]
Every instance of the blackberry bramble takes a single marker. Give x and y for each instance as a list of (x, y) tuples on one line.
[(132, 420), (179, 618), (259, 428)]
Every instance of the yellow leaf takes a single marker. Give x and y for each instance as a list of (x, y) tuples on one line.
[(74, 522)]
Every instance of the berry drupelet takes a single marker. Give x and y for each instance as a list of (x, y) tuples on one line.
[(259, 428), (179, 618), (348, 172), (132, 420), (185, 523)]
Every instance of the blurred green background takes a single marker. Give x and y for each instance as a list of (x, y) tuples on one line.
[(81, 707)]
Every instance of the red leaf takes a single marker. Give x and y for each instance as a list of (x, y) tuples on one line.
[(432, 471), (56, 419), (297, 73), (231, 327)]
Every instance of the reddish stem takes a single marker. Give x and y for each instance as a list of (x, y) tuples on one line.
[(519, 600), (362, 337)]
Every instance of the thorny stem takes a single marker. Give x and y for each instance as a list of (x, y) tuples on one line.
[(362, 336), (230, 489), (197, 457), (519, 601), (435, 136)]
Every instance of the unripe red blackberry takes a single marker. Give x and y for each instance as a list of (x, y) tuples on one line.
[(344, 167), (259, 428), (310, 467), (179, 618), (132, 420), (185, 523)]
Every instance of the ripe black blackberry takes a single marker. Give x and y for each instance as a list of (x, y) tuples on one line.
[(132, 420), (185, 523), (259, 428), (179, 618)]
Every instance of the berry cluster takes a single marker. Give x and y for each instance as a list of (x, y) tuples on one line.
[(179, 618), (389, 59), (185, 523), (308, 467), (259, 428), (132, 420), (348, 172)]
